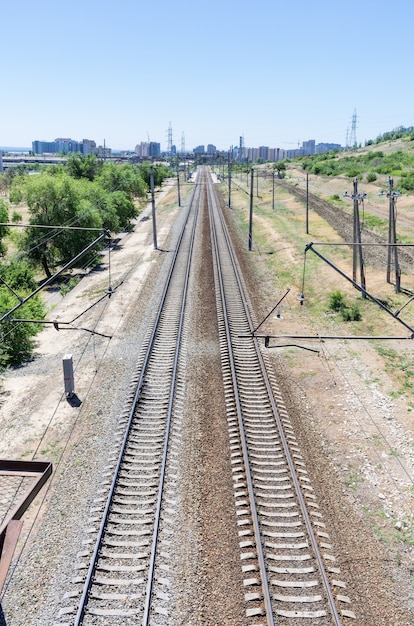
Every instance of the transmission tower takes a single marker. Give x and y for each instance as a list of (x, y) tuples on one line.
[(352, 139), (170, 139), (183, 143)]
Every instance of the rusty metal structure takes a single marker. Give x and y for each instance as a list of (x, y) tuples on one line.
[(20, 482)]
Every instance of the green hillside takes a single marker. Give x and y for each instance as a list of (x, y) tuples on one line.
[(391, 157)]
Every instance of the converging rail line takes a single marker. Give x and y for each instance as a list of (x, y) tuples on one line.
[(119, 583), (281, 530), (289, 571)]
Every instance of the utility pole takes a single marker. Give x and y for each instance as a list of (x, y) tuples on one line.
[(357, 244), (154, 224), (178, 182), (307, 203), (251, 208), (229, 174), (273, 189), (392, 236)]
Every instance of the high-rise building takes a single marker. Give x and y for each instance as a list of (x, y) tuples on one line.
[(154, 149), (88, 147), (64, 145), (264, 152), (142, 149), (308, 147)]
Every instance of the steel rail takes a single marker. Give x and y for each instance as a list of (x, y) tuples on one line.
[(259, 547), (289, 458), (98, 545), (150, 581)]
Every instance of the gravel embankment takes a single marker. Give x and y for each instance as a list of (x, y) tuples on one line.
[(78, 439), (39, 423)]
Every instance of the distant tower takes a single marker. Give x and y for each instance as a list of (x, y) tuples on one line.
[(170, 139), (241, 148), (352, 139), (183, 143)]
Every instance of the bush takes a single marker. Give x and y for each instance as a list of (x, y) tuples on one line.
[(371, 177), (352, 314), (407, 181), (336, 301)]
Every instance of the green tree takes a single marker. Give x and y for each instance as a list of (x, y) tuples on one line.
[(100, 200), (161, 172), (9, 176), (18, 274), (280, 167), (124, 208), (125, 178), (57, 201), (4, 230), (16, 338), (79, 166)]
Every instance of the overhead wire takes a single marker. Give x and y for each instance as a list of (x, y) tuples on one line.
[(328, 358), (43, 239), (74, 423)]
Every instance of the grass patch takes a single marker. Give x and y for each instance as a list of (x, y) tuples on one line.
[(401, 365), (336, 200), (66, 287), (353, 480), (279, 242), (377, 440), (53, 450), (373, 222)]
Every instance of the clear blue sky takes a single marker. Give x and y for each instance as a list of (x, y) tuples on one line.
[(276, 72)]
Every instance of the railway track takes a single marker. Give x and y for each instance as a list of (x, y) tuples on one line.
[(341, 222), (126, 570), (124, 563), (285, 549)]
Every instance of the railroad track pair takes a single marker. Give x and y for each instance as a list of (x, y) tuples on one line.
[(126, 571)]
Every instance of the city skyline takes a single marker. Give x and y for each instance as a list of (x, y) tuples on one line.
[(276, 74), (153, 149)]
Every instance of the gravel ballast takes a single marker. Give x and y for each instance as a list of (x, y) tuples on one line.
[(38, 422)]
